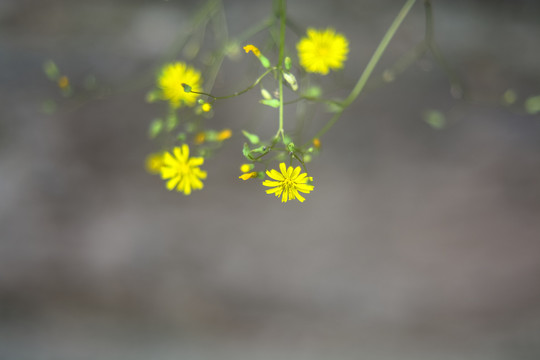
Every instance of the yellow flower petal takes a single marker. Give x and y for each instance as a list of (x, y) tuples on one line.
[(275, 175)]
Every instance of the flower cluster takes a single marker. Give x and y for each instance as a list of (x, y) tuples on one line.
[(181, 86)]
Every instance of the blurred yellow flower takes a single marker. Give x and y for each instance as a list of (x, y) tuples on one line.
[(153, 163), (289, 183), (206, 107), (317, 143), (184, 173), (322, 50), (63, 82), (253, 49), (199, 138), (170, 82), (224, 134), (246, 167)]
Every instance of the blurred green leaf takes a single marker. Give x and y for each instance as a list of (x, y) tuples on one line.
[(254, 139), (155, 128), (51, 70), (90, 82), (171, 121), (532, 104), (313, 91), (435, 119), (247, 152), (48, 107), (509, 97)]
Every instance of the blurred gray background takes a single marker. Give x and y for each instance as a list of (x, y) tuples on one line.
[(415, 244)]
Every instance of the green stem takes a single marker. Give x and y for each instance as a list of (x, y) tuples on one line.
[(238, 92), (361, 83), (378, 53), (282, 20)]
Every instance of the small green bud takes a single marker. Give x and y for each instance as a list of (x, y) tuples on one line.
[(291, 79), (266, 94), (271, 102), (287, 63), (264, 61), (187, 88), (291, 147)]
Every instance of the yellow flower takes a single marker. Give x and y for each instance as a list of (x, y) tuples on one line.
[(153, 163), (249, 175), (246, 167), (253, 49), (288, 183), (199, 138), (206, 107), (322, 50), (224, 134), (317, 143), (184, 173), (170, 82), (63, 82)]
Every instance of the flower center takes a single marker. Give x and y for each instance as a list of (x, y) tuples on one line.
[(323, 50)]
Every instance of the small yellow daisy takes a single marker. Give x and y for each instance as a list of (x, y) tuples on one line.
[(289, 183), (184, 173), (322, 50), (170, 82)]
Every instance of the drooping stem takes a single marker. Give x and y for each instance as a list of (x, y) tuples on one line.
[(378, 53), (361, 83)]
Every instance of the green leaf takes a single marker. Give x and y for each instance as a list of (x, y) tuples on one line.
[(271, 102), (247, 152), (435, 119), (155, 128), (254, 139), (532, 104), (171, 122)]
